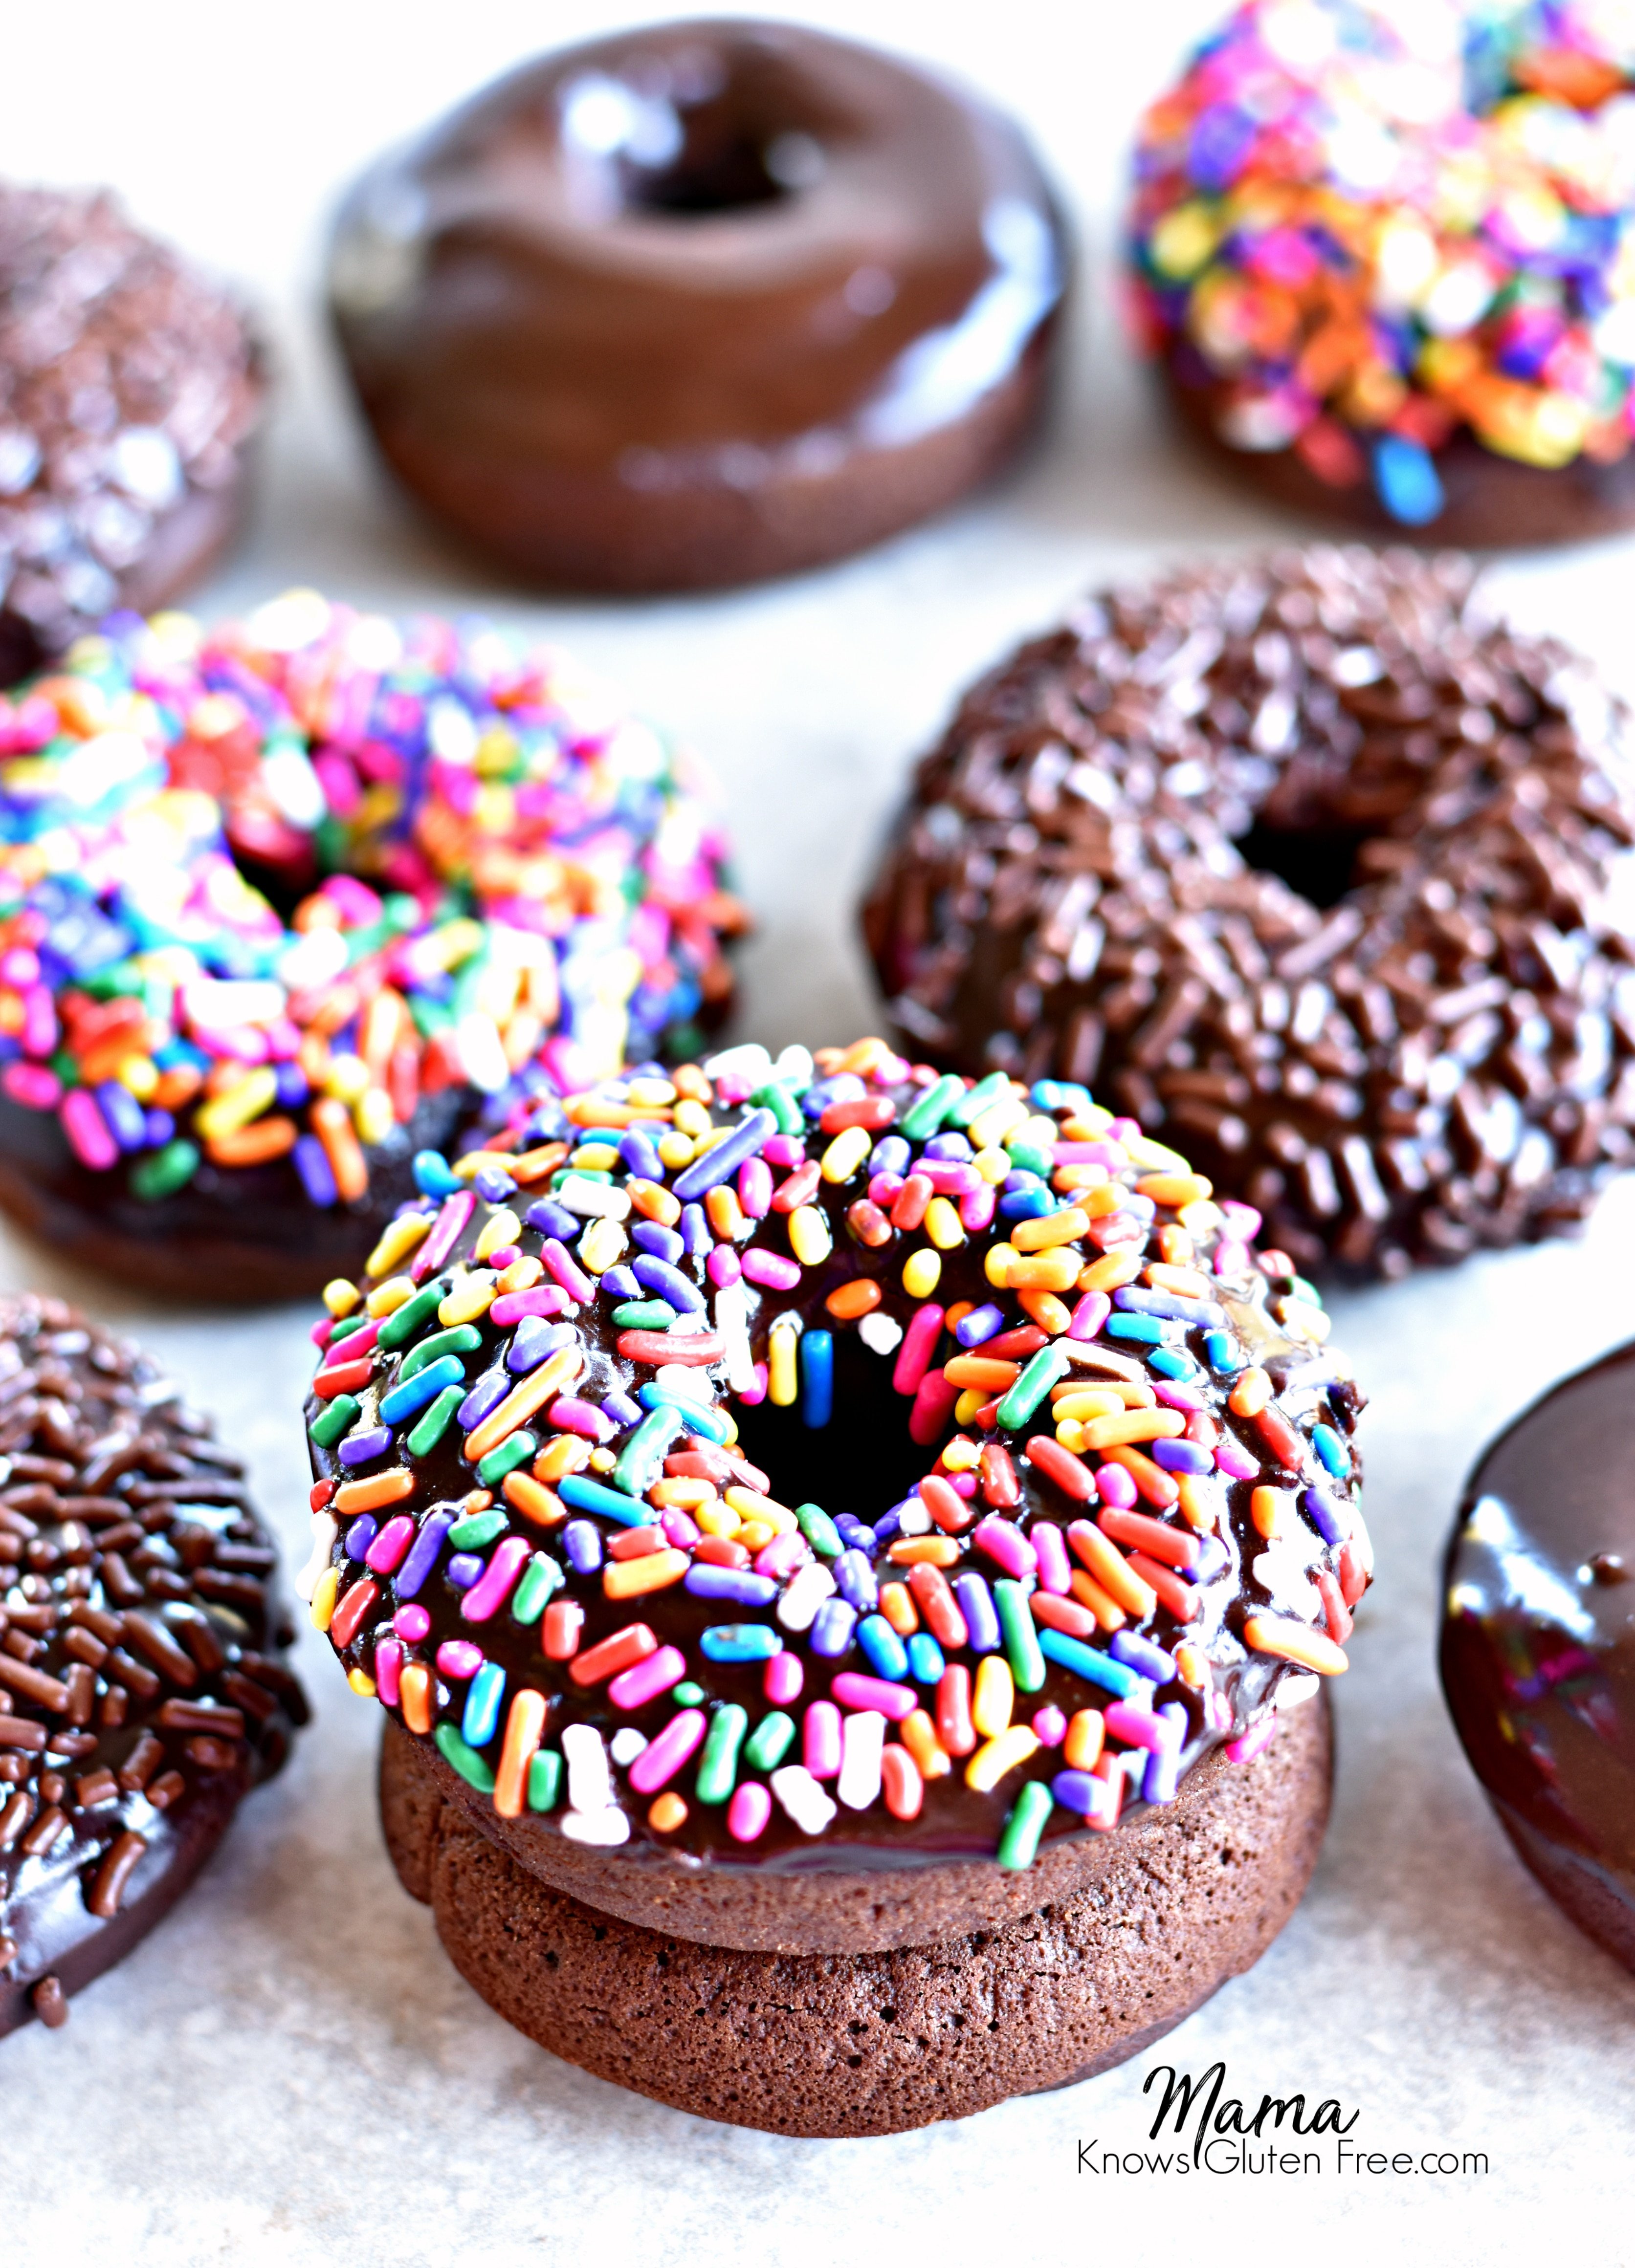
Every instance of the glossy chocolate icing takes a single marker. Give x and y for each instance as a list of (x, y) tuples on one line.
[(699, 303), (1538, 1642)]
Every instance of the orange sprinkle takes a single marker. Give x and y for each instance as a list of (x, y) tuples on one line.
[(523, 1727), (332, 1123), (898, 1609), (1049, 1312), (519, 1404), (667, 1812), (256, 1145), (1111, 1272), (915, 1551), (1089, 1594), (654, 1203), (848, 1301), (656, 1571), (378, 1489), (1292, 1641), (415, 1693), (532, 1500)]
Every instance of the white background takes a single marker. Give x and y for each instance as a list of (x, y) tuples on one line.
[(288, 2071)]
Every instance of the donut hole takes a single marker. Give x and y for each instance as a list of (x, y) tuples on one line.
[(687, 136), (1318, 863), (861, 1464)]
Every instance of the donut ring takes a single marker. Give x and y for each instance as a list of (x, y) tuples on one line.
[(551, 1437), (281, 903), (1387, 277), (698, 304), (1421, 1047)]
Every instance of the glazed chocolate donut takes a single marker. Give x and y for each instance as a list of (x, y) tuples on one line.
[(1387, 277), (143, 1688), (1095, 1518), (1314, 870), (699, 303), (130, 389), (283, 902), (1538, 1644)]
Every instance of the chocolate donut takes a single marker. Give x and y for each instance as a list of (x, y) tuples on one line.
[(283, 902), (1095, 1520), (130, 389), (143, 1688), (1538, 1644), (1316, 871), (1387, 277), (699, 303)]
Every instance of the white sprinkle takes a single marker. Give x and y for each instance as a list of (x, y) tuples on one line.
[(325, 1529), (732, 1320), (751, 1062), (803, 1799), (1293, 1692), (593, 1200), (590, 1783), (863, 1738), (628, 1744), (807, 1589), (604, 1829), (879, 1333)]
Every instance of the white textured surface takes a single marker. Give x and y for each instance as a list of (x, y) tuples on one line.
[(288, 2071)]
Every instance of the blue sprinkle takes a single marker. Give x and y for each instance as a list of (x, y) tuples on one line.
[(982, 1323), (360, 1535), (432, 1177), (553, 1219), (1161, 1779), (1140, 1330), (423, 1553), (831, 1630), (668, 1281), (976, 1604), (1090, 1663), (1332, 1451), (1141, 1655), (401, 1401), (1028, 1204), (463, 1568), (740, 1642), (888, 1656), (854, 1531), (536, 1338), (582, 1540), (363, 1449), (160, 1127), (817, 1358), (1406, 480), (745, 1589), (612, 1503), (1223, 1353), (652, 1236), (854, 1578), (1174, 1362), (1059, 1094), (126, 1119), (485, 1692), (721, 1162), (701, 1418), (926, 1663), (293, 1090), (887, 1526), (488, 1393)]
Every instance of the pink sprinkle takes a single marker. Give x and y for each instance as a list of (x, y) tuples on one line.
[(1054, 1572), (544, 1300), (748, 1811), (445, 1230), (820, 1739), (320, 1334), (565, 1270), (1251, 1743), (1090, 1314), (884, 1187), (853, 1691), (1050, 1727), (358, 1342), (1141, 1728), (783, 1555), (494, 1585), (1177, 1398), (570, 1415), (949, 1178), (385, 1552), (732, 1087), (784, 1150), (771, 1269), (634, 1687), (678, 1530), (1242, 1219), (757, 1391), (34, 1085), (87, 1130), (962, 1484), (1232, 1459), (1125, 1129), (914, 1357), (1230, 1257), (1081, 1153), (665, 1755), (783, 1679), (977, 1211), (388, 1661), (411, 1623), (504, 1258), (1115, 1486), (40, 1033), (723, 1266), (1007, 1546), (460, 1657), (755, 1188)]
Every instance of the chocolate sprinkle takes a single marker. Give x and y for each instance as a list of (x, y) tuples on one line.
[(128, 386), (1313, 868)]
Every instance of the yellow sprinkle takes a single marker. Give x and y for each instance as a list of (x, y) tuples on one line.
[(597, 1157), (996, 1264), (323, 1593), (374, 1117), (468, 1168), (693, 1118), (650, 1094), (225, 1114), (944, 1225), (1086, 1401), (521, 1275), (675, 1150), (845, 1154), (398, 1240), (990, 1127), (1039, 1133), (601, 1246), (970, 1402), (361, 1682), (717, 1519), (920, 1271), (993, 1163), (390, 1295), (961, 1456), (603, 1461), (471, 1296), (340, 1297), (346, 1079), (781, 1385), (808, 1235), (778, 1517), (1055, 1228), (993, 1696), (138, 1075), (996, 1757), (502, 1227)]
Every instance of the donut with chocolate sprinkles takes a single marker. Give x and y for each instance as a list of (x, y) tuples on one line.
[(1313, 865), (142, 1685)]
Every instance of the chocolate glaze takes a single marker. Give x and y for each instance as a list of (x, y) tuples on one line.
[(1538, 1643), (861, 1462), (699, 303), (140, 1635)]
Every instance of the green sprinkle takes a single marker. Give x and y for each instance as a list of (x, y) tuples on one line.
[(1029, 1158), (163, 1172), (1027, 1663), (1024, 1398), (718, 1766), (769, 1744), (922, 1118), (436, 1421), (639, 1459), (465, 1760), (481, 1527), (986, 1091), (464, 1338), (784, 1107), (687, 1694), (1026, 1824), (565, 1174), (327, 1427), (402, 1324), (701, 1417), (644, 1315), (544, 1779), (345, 1328), (819, 1530), (506, 1458), (540, 1578)]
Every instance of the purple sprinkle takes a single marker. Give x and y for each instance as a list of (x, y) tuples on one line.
[(314, 1168), (493, 1186), (854, 1531), (953, 1147), (360, 1535), (1237, 1462), (656, 1274), (831, 1630), (554, 1220), (423, 1553), (621, 1408), (293, 1089), (721, 1162), (1141, 1655), (463, 1568), (696, 1233), (1323, 1516), (890, 1155), (854, 1578), (1162, 1776), (582, 1540), (887, 1525), (976, 1604), (652, 1236), (362, 1448), (845, 1087), (1182, 1457), (641, 1156), (980, 1324), (706, 1581), (534, 1339), (620, 1284), (162, 1128), (127, 1121), (489, 1392), (1077, 1791)]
